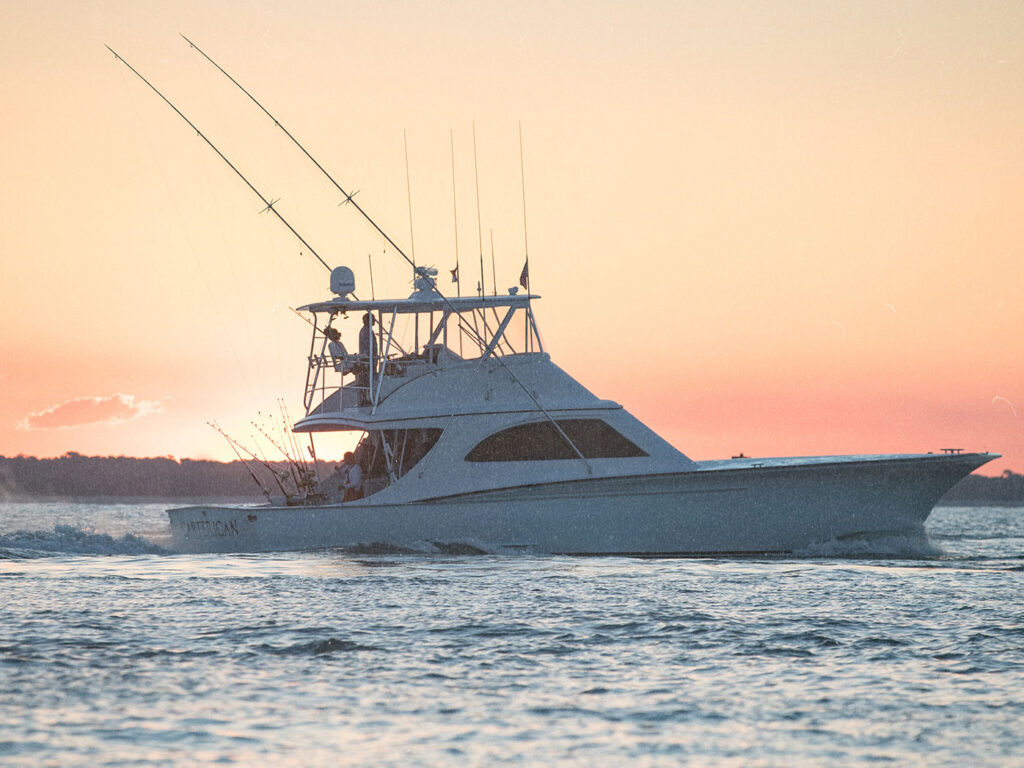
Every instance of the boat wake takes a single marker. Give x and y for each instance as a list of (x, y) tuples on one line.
[(903, 545), (421, 548), (910, 545), (71, 540)]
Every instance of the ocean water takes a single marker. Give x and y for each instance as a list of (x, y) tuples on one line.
[(114, 652)]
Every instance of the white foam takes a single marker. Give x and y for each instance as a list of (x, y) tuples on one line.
[(903, 545), (69, 539)]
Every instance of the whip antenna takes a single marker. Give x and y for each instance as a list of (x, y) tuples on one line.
[(348, 198), (494, 273), (455, 217), (408, 195), (373, 293), (479, 230), (522, 177), (268, 203)]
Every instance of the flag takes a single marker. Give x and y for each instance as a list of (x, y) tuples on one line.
[(455, 274), (524, 276)]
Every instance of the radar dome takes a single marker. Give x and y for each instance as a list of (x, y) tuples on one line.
[(343, 282)]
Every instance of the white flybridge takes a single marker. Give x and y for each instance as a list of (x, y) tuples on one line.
[(474, 438)]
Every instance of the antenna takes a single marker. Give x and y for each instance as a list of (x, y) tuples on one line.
[(522, 177), (408, 192), (373, 293), (494, 274), (455, 223), (269, 205), (526, 242), (479, 230), (455, 217), (348, 198)]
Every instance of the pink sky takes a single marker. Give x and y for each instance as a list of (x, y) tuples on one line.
[(782, 229)]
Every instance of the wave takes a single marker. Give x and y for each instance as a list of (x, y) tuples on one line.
[(420, 548), (912, 545), (69, 539), (317, 648)]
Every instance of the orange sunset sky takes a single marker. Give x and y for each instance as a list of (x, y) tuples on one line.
[(781, 228)]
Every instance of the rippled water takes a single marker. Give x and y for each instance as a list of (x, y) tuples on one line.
[(113, 652)]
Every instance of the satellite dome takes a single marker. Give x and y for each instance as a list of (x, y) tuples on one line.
[(343, 282)]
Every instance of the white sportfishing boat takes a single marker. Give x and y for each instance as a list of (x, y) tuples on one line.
[(472, 439)]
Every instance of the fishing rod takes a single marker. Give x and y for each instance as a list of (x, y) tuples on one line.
[(348, 198), (288, 436), (235, 444), (266, 465), (293, 465), (311, 447), (253, 475), (268, 203)]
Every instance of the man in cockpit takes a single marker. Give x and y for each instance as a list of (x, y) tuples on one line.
[(353, 483), (367, 358)]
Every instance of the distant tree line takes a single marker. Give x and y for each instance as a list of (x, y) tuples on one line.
[(1004, 490), (73, 475)]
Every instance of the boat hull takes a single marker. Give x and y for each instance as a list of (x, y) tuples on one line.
[(781, 508)]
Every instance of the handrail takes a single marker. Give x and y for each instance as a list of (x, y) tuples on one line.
[(375, 395)]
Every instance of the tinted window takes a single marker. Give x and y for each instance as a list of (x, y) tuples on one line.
[(540, 441), (407, 447)]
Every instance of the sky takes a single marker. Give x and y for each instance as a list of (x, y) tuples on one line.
[(776, 228)]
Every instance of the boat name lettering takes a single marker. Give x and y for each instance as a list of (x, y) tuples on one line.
[(216, 527)]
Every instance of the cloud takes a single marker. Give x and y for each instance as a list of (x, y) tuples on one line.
[(115, 409)]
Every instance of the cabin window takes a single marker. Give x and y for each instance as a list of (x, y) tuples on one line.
[(540, 441), (406, 447)]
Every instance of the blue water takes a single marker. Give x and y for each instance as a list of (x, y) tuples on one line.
[(113, 652)]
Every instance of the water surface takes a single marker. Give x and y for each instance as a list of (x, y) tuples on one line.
[(113, 652)]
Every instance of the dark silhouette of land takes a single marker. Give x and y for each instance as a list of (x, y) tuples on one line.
[(77, 476), (1006, 490)]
